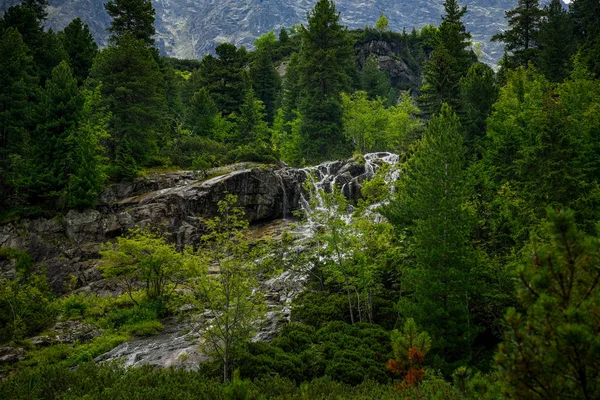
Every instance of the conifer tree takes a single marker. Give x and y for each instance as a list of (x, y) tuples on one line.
[(586, 17), (373, 80), (478, 94), (38, 6), (133, 16), (17, 83), (87, 164), (59, 109), (430, 203), (450, 61), (201, 114), (134, 94), (441, 83), (521, 37), (265, 80), (551, 348), (225, 77), (252, 127), (556, 42), (81, 48), (382, 24), (324, 58)]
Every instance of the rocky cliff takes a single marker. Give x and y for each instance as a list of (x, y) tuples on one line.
[(176, 203), (191, 28)]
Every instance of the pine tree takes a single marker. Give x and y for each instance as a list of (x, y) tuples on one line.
[(441, 83), (225, 77), (478, 94), (17, 84), (551, 348), (265, 80), (450, 61), (59, 109), (133, 92), (556, 42), (521, 39), (382, 24), (326, 53), (87, 164), (373, 80), (201, 114), (81, 48), (284, 37), (251, 124), (133, 16), (586, 17), (430, 203), (453, 35), (38, 6)]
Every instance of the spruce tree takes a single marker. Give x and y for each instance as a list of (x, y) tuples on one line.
[(38, 6), (17, 84), (133, 92), (373, 80), (479, 92), (133, 16), (87, 167), (325, 56), (382, 24), (225, 77), (81, 48), (450, 61), (430, 204), (441, 83), (265, 80), (586, 17), (556, 42), (521, 37), (551, 347), (201, 114), (59, 109)]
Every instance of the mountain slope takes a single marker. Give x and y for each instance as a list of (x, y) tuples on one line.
[(191, 28)]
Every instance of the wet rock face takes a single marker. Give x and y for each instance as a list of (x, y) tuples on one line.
[(176, 203)]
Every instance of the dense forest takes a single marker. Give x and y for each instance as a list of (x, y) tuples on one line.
[(473, 274)]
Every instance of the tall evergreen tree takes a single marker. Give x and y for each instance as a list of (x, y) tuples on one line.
[(551, 348), (201, 114), (17, 83), (326, 53), (266, 81), (133, 92), (38, 6), (586, 16), (373, 80), (225, 77), (133, 16), (556, 42), (478, 94), (450, 61), (81, 48), (441, 83), (59, 109), (430, 203), (521, 37), (87, 164)]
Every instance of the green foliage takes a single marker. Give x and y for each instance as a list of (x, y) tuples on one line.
[(521, 39), (265, 78), (371, 127), (81, 48), (134, 17), (551, 349), (382, 24), (374, 81), (430, 205), (324, 59), (231, 302), (25, 301), (145, 258), (133, 92), (556, 42)]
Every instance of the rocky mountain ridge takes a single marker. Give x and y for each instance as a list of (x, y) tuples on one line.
[(191, 28)]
